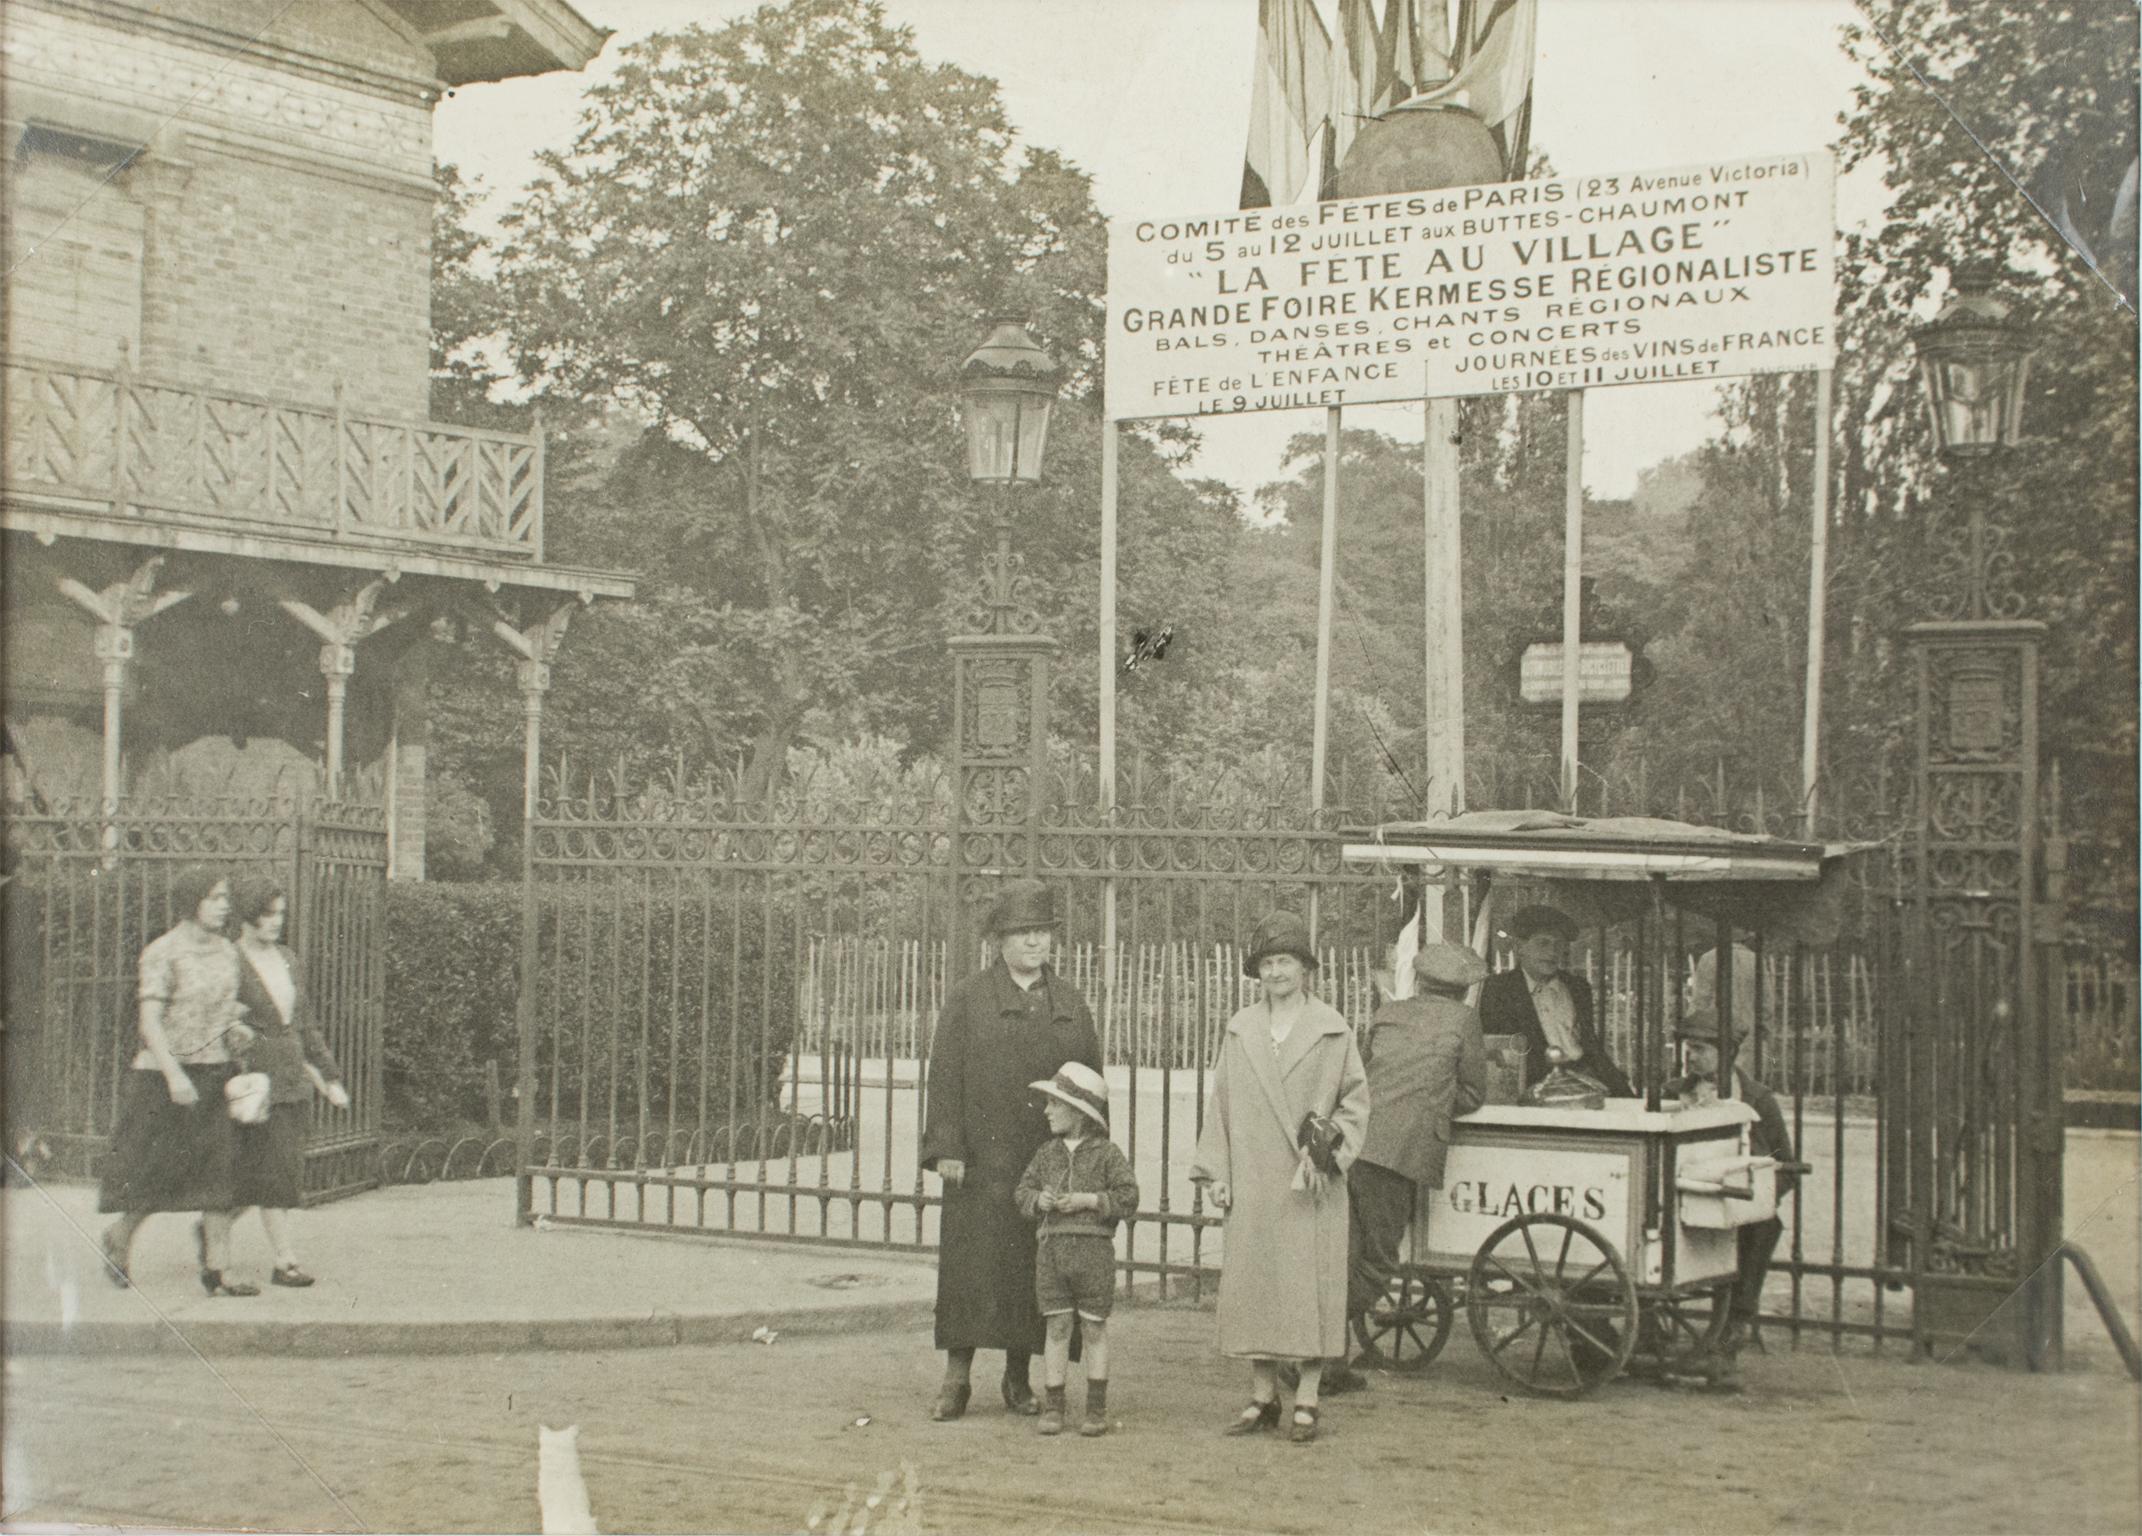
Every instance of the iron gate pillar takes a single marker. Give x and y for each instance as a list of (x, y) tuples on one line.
[(1986, 1109), (1000, 756)]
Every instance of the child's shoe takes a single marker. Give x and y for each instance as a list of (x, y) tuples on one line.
[(1052, 1414), (1096, 1420)]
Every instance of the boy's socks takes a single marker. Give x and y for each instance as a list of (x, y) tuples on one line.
[(1052, 1413), (1096, 1422)]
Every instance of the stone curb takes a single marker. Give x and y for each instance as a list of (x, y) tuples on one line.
[(471, 1337)]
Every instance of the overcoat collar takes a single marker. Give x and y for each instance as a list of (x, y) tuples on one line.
[(1253, 1026), (1011, 997)]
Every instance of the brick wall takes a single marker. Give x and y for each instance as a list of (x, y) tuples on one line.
[(285, 186), (267, 280)]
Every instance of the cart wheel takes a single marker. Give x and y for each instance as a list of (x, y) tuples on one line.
[(1407, 1328), (1551, 1305), (1675, 1331)]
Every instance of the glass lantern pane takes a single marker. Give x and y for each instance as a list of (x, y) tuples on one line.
[(1033, 436), (992, 434)]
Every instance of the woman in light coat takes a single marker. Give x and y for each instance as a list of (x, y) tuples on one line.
[(1284, 1257)]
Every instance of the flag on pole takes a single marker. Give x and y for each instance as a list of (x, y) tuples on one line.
[(1359, 89), (1290, 102), (1413, 52), (1495, 82)]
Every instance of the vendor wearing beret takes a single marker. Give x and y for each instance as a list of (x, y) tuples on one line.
[(1547, 1004)]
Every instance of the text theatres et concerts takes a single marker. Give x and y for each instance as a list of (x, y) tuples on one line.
[(1699, 272)]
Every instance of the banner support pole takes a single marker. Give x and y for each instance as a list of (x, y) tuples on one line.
[(1572, 596)]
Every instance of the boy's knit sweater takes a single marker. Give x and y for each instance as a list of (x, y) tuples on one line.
[(1096, 1166)]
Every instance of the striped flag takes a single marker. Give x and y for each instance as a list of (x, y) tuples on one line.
[(1495, 80), (1413, 52), (1359, 88), (1290, 102)]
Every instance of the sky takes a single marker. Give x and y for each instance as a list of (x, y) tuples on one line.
[(1151, 97)]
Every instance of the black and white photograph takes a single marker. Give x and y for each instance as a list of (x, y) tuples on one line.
[(891, 767)]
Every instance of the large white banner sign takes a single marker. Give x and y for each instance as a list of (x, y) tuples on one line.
[(1701, 272)]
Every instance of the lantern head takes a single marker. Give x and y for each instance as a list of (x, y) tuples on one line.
[(1006, 387), (1973, 362)]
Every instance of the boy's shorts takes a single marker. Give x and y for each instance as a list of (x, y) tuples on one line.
[(1076, 1271)]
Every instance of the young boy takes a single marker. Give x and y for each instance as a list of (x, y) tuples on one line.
[(1704, 1046), (1078, 1187)]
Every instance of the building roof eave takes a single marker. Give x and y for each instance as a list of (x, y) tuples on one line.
[(390, 560)]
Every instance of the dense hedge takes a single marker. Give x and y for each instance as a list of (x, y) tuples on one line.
[(631, 978), (453, 988)]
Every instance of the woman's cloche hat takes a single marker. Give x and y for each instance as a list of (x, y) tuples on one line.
[(1282, 933), (1021, 905), (1448, 965), (1079, 1086)]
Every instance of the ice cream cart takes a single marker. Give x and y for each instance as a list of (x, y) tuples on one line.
[(1575, 1236)]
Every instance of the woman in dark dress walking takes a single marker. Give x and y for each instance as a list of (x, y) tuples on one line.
[(998, 1032), (269, 1166), (172, 1147)]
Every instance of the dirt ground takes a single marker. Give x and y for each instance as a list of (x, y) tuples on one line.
[(763, 1437)]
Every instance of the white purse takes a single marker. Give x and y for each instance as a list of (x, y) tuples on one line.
[(246, 1097)]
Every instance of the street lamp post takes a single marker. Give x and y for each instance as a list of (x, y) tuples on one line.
[(1985, 1103), (1000, 712)]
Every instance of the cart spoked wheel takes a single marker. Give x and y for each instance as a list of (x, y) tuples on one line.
[(1677, 1331), (1407, 1328), (1551, 1305)]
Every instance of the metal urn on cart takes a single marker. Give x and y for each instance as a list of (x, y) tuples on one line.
[(1577, 1238)]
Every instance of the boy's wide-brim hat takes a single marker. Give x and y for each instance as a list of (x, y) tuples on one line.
[(1539, 918), (1280, 934), (1022, 905), (1701, 1024), (1079, 1086), (1448, 965)]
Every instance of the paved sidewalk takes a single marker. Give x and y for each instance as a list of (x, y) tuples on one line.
[(430, 1269)]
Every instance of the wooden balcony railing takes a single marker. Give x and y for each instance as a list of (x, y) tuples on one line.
[(147, 449)]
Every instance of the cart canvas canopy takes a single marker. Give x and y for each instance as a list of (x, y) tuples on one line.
[(1607, 869)]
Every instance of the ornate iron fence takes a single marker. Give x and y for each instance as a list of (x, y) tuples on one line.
[(700, 963), (85, 891)]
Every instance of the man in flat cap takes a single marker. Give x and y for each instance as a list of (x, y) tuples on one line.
[(1426, 1062), (1014, 1023), (1541, 1000)]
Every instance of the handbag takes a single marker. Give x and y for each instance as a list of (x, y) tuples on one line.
[(246, 1097), (1321, 1138)]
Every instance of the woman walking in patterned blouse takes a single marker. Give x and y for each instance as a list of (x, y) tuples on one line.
[(172, 1147)]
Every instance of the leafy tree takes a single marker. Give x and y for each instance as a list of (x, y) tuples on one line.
[(774, 242), (1964, 98)]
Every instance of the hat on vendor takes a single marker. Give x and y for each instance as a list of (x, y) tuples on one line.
[(1539, 918), (1020, 906), (1282, 933), (1079, 1086), (1701, 1025), (1448, 965)]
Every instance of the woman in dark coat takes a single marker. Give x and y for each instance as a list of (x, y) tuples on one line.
[(1016, 1022), (269, 1167)]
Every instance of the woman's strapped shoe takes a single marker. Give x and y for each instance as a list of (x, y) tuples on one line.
[(289, 1274), (1255, 1417), (115, 1269), (212, 1281), (951, 1401), (1303, 1429)]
